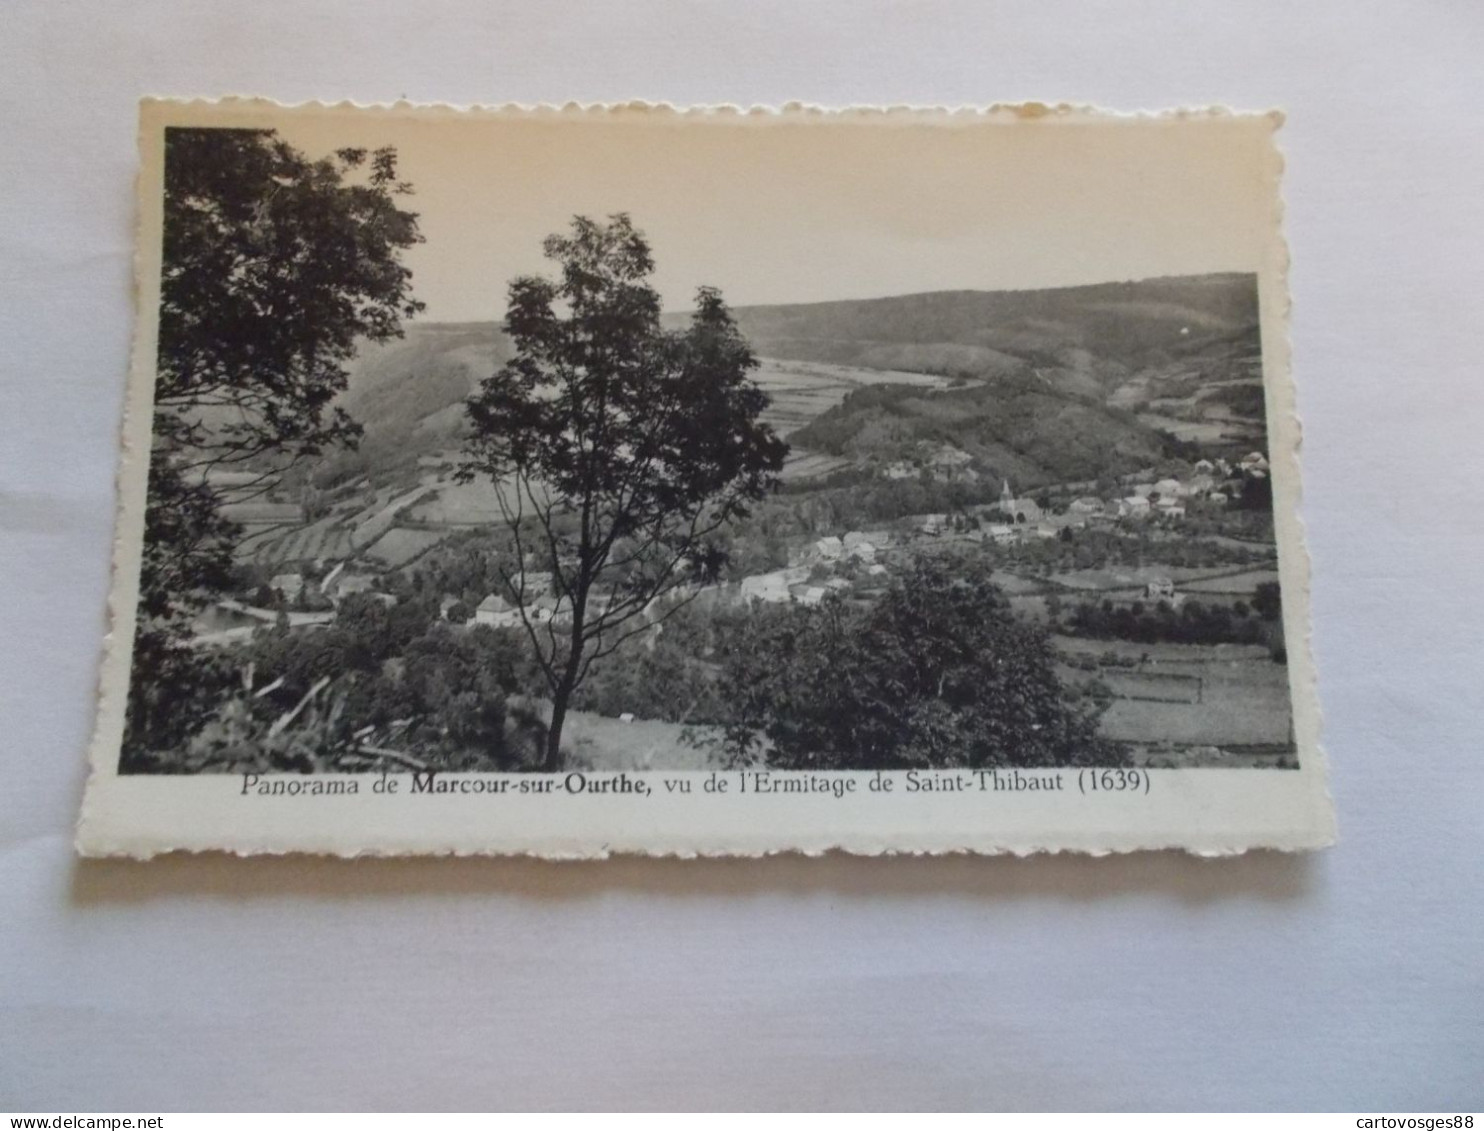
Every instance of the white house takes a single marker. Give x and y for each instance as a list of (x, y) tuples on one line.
[(345, 584), (1133, 506), (497, 612), (949, 456), (1160, 589), (828, 549), (1169, 489), (291, 585), (549, 609), (772, 586)]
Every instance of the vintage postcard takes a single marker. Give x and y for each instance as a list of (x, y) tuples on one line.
[(634, 480)]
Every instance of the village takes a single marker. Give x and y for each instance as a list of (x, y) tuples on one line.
[(860, 559), (853, 561), (1096, 563)]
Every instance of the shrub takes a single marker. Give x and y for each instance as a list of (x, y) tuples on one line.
[(939, 672)]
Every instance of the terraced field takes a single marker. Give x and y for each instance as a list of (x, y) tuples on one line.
[(460, 504), (802, 390), (400, 545), (329, 538), (260, 512), (804, 464)]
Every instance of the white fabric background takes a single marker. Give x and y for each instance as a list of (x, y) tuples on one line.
[(1349, 979)]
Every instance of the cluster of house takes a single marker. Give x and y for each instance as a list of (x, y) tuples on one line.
[(1014, 518), (497, 612), (791, 584), (941, 461), (229, 620), (541, 604), (1210, 480), (534, 587), (857, 546), (335, 586), (1007, 520)]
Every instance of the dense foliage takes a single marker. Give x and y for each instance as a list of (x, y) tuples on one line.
[(1015, 426), (938, 672), (273, 267), (446, 698), (1193, 622)]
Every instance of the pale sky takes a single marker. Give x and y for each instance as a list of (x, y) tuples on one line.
[(811, 209)]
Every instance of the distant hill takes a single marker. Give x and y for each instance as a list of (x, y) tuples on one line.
[(409, 392), (1016, 428), (1058, 382), (987, 333)]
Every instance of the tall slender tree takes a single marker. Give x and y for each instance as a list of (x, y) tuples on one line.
[(274, 266), (618, 450)]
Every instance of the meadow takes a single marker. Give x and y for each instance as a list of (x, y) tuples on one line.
[(1192, 704)]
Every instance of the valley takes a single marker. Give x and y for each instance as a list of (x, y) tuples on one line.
[(1102, 450)]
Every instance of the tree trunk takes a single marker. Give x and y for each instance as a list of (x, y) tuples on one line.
[(559, 700), (562, 694)]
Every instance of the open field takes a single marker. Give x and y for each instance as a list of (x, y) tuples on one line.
[(802, 390), (371, 528), (461, 504), (1217, 703), (398, 546), (1016, 585), (260, 512), (600, 743), (1246, 582), (1224, 579), (1202, 431)]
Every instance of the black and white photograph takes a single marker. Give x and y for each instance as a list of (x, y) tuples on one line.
[(677, 507), (583, 443)]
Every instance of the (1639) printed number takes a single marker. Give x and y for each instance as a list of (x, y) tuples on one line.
[(1113, 781)]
